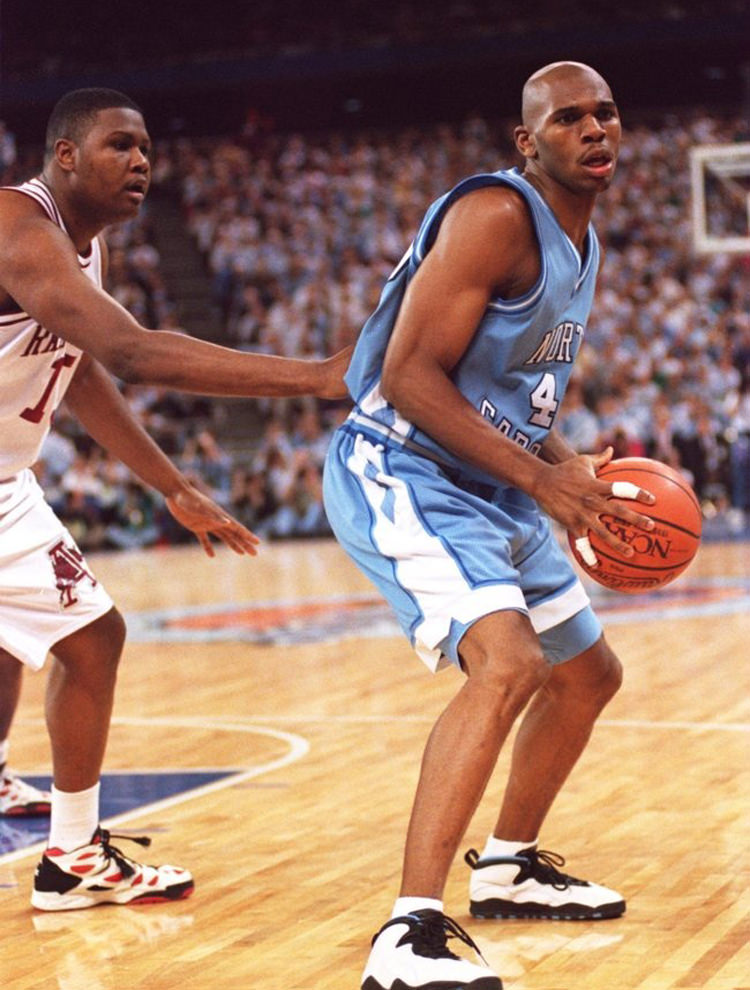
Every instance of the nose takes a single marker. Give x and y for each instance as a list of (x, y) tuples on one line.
[(593, 129), (139, 161)]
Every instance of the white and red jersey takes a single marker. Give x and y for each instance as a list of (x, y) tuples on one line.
[(36, 366)]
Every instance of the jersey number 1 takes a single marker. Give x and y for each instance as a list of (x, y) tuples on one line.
[(34, 415)]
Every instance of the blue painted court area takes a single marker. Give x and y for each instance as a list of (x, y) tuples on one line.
[(121, 792)]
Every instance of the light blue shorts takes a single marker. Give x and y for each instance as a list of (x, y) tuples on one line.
[(443, 555)]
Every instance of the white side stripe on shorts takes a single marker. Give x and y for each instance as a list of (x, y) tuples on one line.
[(422, 564)]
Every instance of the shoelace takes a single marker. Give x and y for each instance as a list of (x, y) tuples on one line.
[(541, 864), (429, 932), (126, 865)]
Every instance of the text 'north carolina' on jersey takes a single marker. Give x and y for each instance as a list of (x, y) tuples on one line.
[(36, 366), (516, 368)]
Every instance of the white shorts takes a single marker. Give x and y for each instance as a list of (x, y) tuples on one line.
[(47, 590)]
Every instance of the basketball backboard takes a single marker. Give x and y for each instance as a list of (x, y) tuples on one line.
[(720, 181)]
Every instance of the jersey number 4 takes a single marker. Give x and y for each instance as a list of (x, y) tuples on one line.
[(543, 402)]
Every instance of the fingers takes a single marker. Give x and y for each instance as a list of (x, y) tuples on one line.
[(236, 537), (205, 542), (584, 548), (205, 519), (599, 460), (612, 533), (239, 539), (626, 489), (608, 528)]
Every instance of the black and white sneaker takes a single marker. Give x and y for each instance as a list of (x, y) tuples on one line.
[(530, 885), (411, 953)]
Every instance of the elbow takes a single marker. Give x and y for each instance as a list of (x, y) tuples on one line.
[(402, 386), (391, 388), (126, 364), (123, 367)]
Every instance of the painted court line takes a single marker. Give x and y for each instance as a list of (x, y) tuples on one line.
[(625, 723), (298, 747)]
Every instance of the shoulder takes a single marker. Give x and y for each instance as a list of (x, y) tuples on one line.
[(492, 214), (15, 201), (489, 234), (30, 241), (491, 205), (19, 211)]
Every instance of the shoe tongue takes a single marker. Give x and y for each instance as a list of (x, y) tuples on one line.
[(425, 913)]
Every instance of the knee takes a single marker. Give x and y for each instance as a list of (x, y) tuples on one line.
[(96, 648), (593, 678), (113, 633), (509, 679), (609, 674)]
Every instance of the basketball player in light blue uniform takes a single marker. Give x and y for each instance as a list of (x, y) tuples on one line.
[(439, 485)]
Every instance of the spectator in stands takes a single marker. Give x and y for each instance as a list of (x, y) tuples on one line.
[(739, 454)]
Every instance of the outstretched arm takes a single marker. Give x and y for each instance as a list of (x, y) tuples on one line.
[(97, 403), (39, 269)]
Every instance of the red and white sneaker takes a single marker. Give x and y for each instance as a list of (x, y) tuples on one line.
[(100, 874), (19, 799)]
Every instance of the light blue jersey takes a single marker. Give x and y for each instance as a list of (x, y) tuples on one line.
[(516, 369), (445, 542)]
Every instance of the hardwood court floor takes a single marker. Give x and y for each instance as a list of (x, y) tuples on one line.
[(297, 862)]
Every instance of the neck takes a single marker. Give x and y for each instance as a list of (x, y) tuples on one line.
[(572, 210)]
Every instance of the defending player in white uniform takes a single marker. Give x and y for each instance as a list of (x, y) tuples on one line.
[(62, 335), (51, 591)]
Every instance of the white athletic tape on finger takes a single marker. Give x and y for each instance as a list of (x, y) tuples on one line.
[(624, 489), (583, 546)]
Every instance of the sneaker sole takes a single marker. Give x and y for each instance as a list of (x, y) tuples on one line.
[(483, 983), (50, 901), (510, 910)]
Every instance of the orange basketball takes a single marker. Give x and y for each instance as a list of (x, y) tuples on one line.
[(664, 552)]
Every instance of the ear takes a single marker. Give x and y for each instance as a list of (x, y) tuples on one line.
[(66, 154), (525, 141)]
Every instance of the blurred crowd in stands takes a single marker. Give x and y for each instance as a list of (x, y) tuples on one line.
[(298, 234)]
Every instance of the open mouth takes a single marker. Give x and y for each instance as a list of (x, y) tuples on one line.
[(601, 163)]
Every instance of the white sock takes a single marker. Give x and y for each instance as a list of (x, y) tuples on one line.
[(74, 818), (405, 905), (505, 847), (4, 747)]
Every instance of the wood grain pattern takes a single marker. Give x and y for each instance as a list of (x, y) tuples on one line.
[(297, 866)]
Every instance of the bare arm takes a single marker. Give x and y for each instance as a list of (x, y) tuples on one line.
[(39, 269), (100, 408), (485, 247), (556, 448)]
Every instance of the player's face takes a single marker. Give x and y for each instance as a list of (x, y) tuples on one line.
[(576, 133), (113, 170)]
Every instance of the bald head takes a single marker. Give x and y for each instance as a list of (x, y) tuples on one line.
[(539, 89)]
